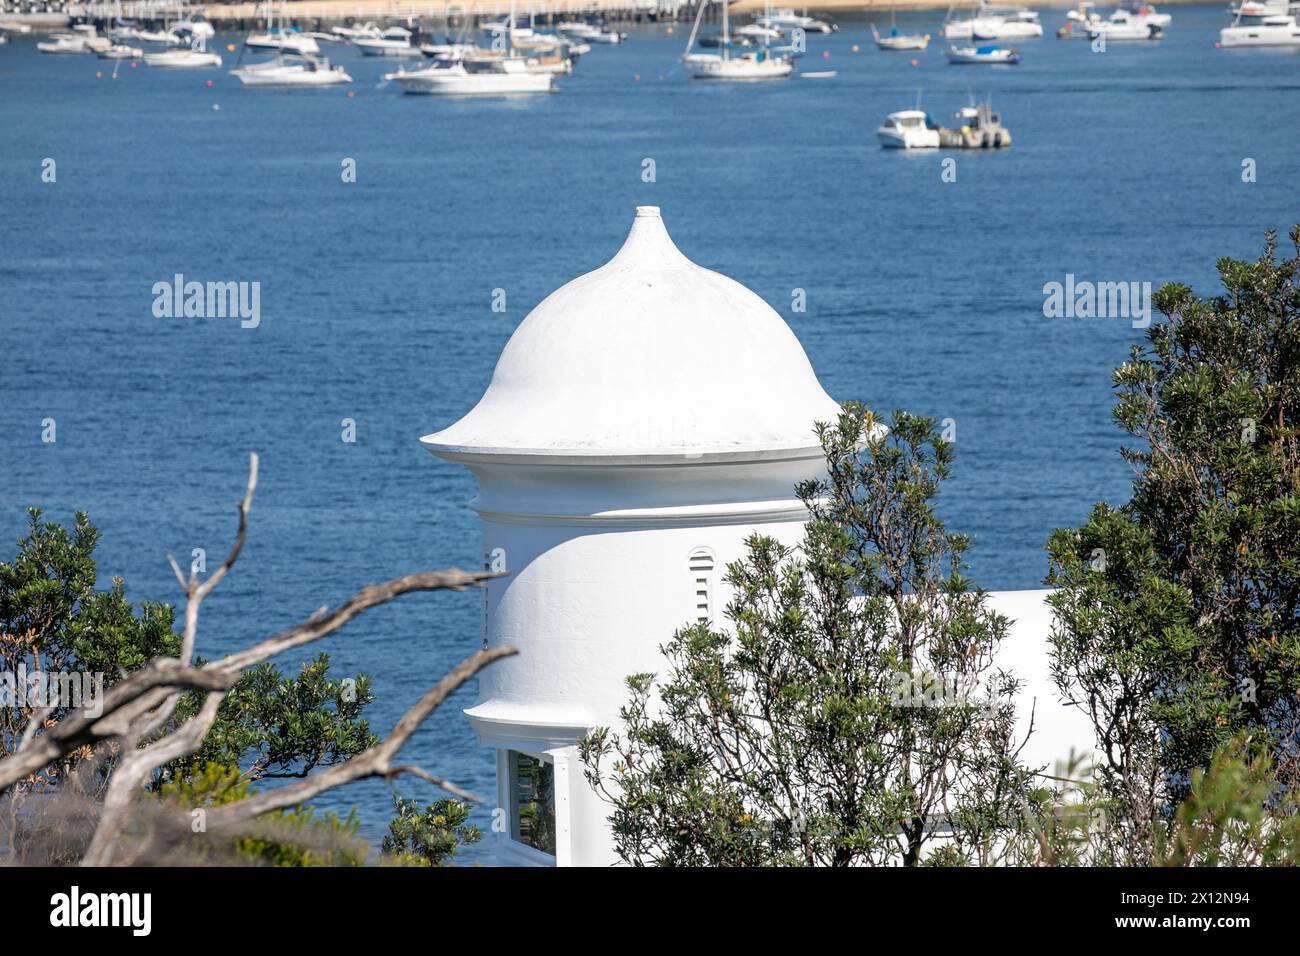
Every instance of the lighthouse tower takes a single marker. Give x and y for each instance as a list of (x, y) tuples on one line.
[(641, 422)]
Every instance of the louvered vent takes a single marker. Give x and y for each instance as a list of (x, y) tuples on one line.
[(701, 565)]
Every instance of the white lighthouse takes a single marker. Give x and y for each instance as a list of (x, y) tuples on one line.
[(641, 422)]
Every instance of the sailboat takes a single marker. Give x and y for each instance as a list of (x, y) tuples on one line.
[(278, 39), (899, 41), (755, 65), (196, 57)]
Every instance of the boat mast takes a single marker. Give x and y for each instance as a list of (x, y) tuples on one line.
[(726, 36), (695, 28)]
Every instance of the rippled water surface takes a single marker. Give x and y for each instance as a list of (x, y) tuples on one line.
[(376, 295)]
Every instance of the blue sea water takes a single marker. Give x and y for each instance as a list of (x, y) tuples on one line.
[(376, 295)]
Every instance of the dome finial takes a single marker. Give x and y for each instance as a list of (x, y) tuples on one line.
[(648, 239)]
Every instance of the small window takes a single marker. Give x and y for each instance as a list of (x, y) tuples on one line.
[(533, 787), (701, 566)]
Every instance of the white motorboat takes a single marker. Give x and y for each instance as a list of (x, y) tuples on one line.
[(787, 19), (995, 23), (292, 70), (1120, 27), (196, 57), (194, 27), (152, 37), (121, 51), (751, 65), (606, 36), (756, 31), (355, 32), (577, 28), (1146, 13), (81, 42), (1261, 24), (11, 26), (278, 40), (496, 73), (538, 42), (983, 54), (908, 129), (900, 41), (484, 77), (65, 43), (395, 41), (449, 51)]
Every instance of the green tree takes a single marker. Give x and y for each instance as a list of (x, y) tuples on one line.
[(431, 835), (1178, 613), (852, 705), (52, 619), (297, 837), (275, 726)]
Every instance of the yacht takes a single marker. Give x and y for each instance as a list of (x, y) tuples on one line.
[(900, 41), (355, 32), (478, 77), (1121, 27), (983, 54), (395, 41), (1261, 24), (995, 23), (787, 19), (194, 27), (68, 43), (758, 64), (121, 51), (908, 129), (277, 39), (606, 36), (196, 57), (292, 70), (152, 37), (577, 28), (1146, 13)]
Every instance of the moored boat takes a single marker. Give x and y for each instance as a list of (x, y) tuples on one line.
[(983, 54), (908, 129), (900, 41), (292, 70), (1261, 24)]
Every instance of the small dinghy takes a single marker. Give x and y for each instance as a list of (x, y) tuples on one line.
[(983, 54)]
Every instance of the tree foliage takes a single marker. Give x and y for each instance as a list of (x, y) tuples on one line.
[(851, 708), (1178, 613), (428, 836)]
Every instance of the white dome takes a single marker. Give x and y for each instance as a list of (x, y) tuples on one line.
[(648, 355)]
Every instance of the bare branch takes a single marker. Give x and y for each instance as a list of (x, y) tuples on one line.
[(374, 762)]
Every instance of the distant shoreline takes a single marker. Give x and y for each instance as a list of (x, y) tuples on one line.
[(339, 10)]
